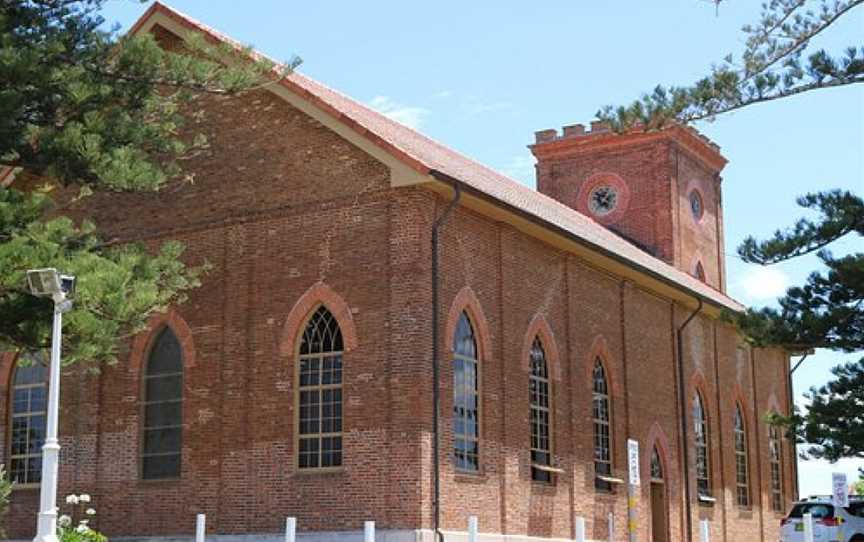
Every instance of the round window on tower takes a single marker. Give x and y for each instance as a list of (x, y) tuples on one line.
[(696, 205), (603, 200)]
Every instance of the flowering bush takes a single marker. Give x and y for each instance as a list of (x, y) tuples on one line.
[(69, 531), (5, 490)]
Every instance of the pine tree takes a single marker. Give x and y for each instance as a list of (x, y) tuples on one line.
[(826, 312), (83, 110)]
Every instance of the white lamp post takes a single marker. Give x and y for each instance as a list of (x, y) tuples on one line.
[(50, 283)]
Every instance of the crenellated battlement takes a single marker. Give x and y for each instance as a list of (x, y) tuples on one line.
[(598, 128)]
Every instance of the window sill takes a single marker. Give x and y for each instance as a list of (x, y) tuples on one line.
[(547, 468)]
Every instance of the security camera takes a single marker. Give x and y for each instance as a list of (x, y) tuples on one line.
[(49, 283)]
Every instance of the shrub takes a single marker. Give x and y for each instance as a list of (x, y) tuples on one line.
[(70, 531)]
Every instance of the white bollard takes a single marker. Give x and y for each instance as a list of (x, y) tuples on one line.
[(580, 529), (472, 528), (369, 531), (610, 526), (200, 527), (290, 529), (808, 527), (704, 533)]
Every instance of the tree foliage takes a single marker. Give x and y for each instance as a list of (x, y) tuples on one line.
[(86, 110), (826, 312), (833, 424), (777, 62)]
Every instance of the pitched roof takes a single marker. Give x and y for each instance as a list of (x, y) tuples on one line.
[(430, 157)]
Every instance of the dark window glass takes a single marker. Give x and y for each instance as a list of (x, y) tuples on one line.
[(602, 435), (696, 206), (741, 467), (818, 510), (319, 417), (702, 438), (28, 418), (162, 433), (656, 466), (699, 273), (466, 398), (540, 400), (776, 460)]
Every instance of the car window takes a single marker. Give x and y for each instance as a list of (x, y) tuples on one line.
[(856, 509), (818, 510)]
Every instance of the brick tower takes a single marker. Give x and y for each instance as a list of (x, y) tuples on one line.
[(660, 190)]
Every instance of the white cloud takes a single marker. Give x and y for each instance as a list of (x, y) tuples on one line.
[(760, 283), (407, 115), (443, 93)]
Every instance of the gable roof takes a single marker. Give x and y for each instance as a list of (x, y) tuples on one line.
[(427, 156)]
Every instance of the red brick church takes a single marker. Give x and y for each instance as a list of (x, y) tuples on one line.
[(355, 264)]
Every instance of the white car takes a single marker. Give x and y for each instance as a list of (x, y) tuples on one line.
[(830, 524)]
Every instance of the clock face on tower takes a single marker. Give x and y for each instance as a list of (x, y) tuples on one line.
[(602, 200)]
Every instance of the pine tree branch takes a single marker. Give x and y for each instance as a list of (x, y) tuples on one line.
[(803, 40), (786, 93)]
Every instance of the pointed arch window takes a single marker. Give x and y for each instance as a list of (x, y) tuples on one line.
[(702, 439), (541, 409), (602, 429), (775, 456), (28, 417), (742, 474), (466, 397), (319, 418), (656, 466), (162, 434)]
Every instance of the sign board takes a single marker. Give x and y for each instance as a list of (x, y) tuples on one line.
[(633, 461), (839, 490)]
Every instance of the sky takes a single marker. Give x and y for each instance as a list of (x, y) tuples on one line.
[(483, 76)]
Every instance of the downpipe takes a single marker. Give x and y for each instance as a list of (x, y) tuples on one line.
[(436, 370), (685, 455)]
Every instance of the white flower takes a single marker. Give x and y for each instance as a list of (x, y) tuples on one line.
[(64, 521), (83, 528), (84, 497), (90, 512), (84, 522), (71, 499)]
